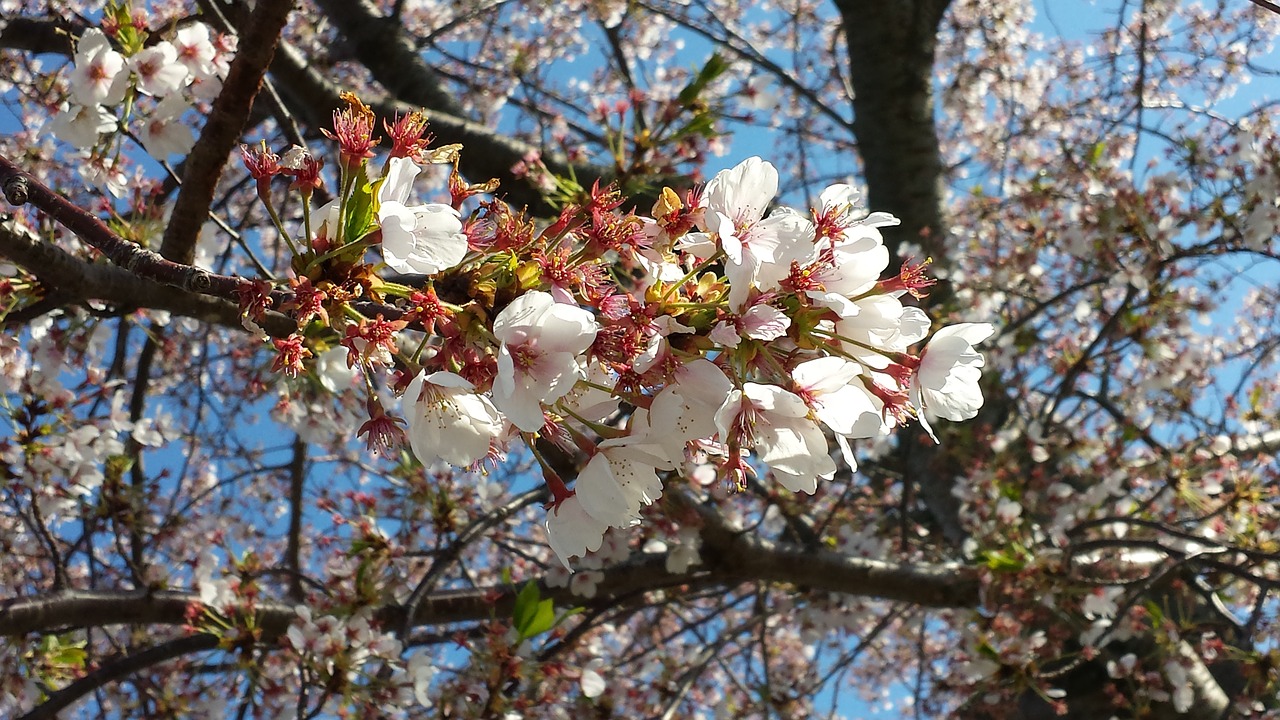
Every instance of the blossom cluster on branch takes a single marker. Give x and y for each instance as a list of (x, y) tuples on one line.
[(711, 333), (122, 77)]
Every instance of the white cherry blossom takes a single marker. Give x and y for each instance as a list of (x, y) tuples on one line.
[(760, 322), (195, 50), (163, 133), (158, 70), (620, 479), (98, 77), (81, 125), (571, 532), (537, 361), (758, 250), (883, 323), (449, 420), (421, 238), (684, 411), (424, 238), (776, 424), (839, 400), (946, 383)]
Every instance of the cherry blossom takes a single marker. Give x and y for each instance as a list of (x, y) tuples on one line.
[(448, 420), (946, 383), (538, 359), (98, 77), (421, 239), (776, 424), (838, 399), (619, 480), (157, 70), (163, 133), (195, 50), (572, 532), (82, 125), (759, 249), (675, 359)]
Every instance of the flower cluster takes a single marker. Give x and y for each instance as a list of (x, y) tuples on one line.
[(341, 651), (119, 77), (714, 338)]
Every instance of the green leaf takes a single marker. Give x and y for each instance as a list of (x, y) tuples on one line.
[(714, 68), (543, 620), (359, 213), (1156, 613), (1095, 153), (526, 606), (533, 615), (69, 657), (702, 124), (1000, 561)]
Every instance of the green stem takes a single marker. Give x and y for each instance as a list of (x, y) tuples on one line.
[(603, 431), (692, 274), (306, 218), (275, 220), (421, 346)]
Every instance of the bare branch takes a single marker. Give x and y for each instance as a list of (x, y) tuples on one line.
[(1267, 5), (390, 54), (75, 280), (203, 167), (738, 559), (20, 188)]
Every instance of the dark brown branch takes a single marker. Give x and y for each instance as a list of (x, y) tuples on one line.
[(389, 53), (891, 59), (134, 259), (223, 129), (47, 34), (76, 280), (118, 670), (1267, 5), (382, 45), (737, 559)]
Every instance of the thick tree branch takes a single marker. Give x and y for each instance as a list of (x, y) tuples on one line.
[(21, 188), (739, 554), (891, 54), (891, 58), (73, 279), (382, 45), (740, 559), (222, 130), (118, 670), (48, 34)]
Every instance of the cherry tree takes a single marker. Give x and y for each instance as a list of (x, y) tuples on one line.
[(638, 359)]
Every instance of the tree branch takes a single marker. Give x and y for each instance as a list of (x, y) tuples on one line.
[(21, 188), (118, 670), (73, 279), (739, 560), (230, 112), (293, 547), (891, 53), (48, 34), (381, 44)]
